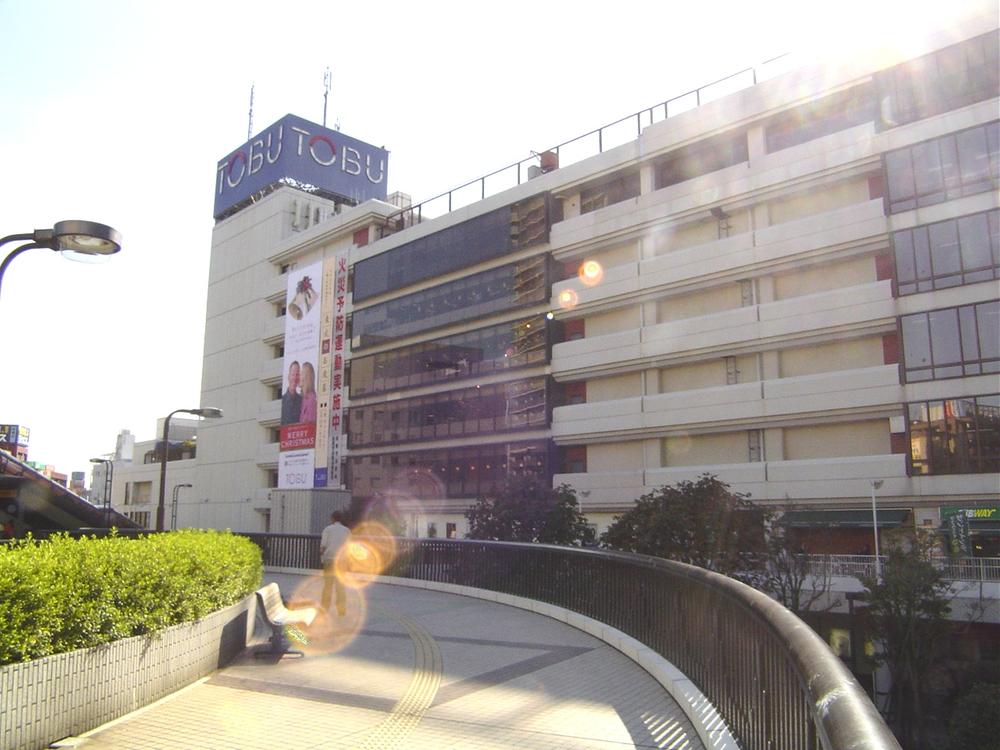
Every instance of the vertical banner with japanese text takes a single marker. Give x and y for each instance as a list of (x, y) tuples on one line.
[(338, 392), (299, 397)]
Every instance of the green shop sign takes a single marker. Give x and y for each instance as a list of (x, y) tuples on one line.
[(982, 513)]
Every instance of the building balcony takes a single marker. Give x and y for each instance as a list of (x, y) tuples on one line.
[(269, 412), (274, 329), (864, 389), (629, 219), (866, 307), (857, 224), (267, 455), (271, 369), (841, 480)]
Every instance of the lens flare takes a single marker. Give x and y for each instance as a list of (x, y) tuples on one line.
[(591, 273), (369, 552), (329, 632), (568, 299)]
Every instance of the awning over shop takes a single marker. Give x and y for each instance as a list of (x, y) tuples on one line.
[(842, 519)]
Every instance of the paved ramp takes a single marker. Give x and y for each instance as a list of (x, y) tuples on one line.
[(409, 668)]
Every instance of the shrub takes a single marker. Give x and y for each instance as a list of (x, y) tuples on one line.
[(63, 594)]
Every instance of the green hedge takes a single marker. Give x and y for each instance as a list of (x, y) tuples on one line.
[(63, 594)]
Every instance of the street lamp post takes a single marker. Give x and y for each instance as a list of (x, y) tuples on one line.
[(109, 485), (208, 412), (75, 237), (876, 484), (173, 506)]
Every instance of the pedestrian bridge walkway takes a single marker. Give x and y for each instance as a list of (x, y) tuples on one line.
[(417, 668)]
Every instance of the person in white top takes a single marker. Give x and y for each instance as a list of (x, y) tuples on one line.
[(334, 537)]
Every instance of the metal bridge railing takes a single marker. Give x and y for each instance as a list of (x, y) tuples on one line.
[(775, 682)]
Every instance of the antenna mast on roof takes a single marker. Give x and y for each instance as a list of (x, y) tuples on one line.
[(326, 92), (250, 123)]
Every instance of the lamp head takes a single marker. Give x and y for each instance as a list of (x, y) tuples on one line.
[(208, 412), (86, 238), (99, 461)]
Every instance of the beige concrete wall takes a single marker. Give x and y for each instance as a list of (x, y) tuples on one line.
[(831, 356), (614, 457), (689, 377), (867, 438), (694, 233), (705, 302), (705, 374), (825, 277), (613, 321), (615, 256), (695, 450), (817, 201), (618, 386)]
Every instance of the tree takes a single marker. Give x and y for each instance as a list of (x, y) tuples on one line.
[(908, 607), (786, 574), (526, 510), (702, 523)]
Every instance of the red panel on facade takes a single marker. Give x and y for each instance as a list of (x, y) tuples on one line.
[(361, 237), (890, 349)]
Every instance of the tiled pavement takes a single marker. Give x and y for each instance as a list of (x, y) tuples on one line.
[(409, 668)]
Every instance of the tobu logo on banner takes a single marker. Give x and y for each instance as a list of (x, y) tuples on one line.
[(302, 154), (299, 396)]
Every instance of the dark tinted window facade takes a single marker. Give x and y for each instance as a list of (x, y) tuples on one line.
[(609, 192), (480, 239), (955, 436), (466, 355), (700, 158), (482, 294), (821, 117), (958, 164), (485, 409), (950, 78), (451, 473), (951, 343), (948, 253)]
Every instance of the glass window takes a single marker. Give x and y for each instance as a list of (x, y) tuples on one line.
[(701, 158), (449, 473), (821, 117), (482, 238), (948, 253), (952, 342), (506, 346), (958, 164), (486, 293), (943, 80), (955, 436)]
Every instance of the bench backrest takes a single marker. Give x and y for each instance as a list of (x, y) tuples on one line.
[(270, 599)]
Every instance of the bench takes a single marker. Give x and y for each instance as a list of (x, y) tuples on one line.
[(277, 616)]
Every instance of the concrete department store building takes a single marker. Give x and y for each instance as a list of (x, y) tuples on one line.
[(793, 287)]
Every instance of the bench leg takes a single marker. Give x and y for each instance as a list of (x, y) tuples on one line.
[(279, 645)]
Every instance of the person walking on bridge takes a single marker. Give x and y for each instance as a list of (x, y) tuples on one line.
[(335, 536)]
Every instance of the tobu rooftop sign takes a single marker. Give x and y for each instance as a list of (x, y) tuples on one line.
[(305, 155)]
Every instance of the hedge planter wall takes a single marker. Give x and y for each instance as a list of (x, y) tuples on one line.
[(58, 696), (91, 629)]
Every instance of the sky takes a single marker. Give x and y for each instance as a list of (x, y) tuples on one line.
[(118, 111)]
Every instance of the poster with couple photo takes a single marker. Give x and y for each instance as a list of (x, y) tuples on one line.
[(299, 380)]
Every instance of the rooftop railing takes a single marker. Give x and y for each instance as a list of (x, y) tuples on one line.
[(777, 685), (584, 146)]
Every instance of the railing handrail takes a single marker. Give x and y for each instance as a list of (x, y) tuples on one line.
[(417, 209), (825, 695)]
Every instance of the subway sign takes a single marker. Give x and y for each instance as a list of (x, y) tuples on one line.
[(304, 155)]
